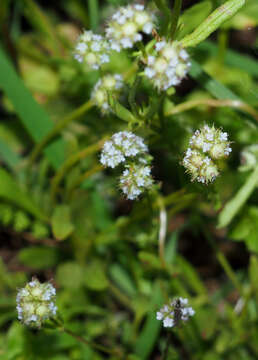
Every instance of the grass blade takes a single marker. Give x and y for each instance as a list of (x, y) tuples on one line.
[(151, 329), (215, 88), (8, 155), (32, 115), (232, 58), (235, 204)]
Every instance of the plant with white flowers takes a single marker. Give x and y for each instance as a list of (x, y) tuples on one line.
[(36, 303), (92, 50), (207, 146), (130, 149), (135, 179), (108, 84), (167, 65), (122, 145), (126, 25), (175, 312)]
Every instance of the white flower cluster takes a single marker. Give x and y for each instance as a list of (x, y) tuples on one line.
[(207, 145), (122, 147), (175, 312), (108, 83), (135, 179), (168, 65), (92, 49), (126, 26), (36, 303)]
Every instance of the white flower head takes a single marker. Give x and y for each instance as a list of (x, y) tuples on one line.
[(92, 50), (126, 25), (112, 84), (175, 312), (207, 145), (168, 65), (135, 179), (122, 145), (36, 303)]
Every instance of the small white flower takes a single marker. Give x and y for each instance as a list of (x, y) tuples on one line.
[(168, 64), (122, 145), (175, 312), (149, 72), (92, 49), (112, 84), (126, 26), (168, 322), (135, 179), (36, 303), (211, 141), (159, 315)]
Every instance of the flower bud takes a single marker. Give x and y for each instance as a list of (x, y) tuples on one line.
[(109, 83), (92, 50), (168, 65), (135, 179), (126, 26), (36, 303)]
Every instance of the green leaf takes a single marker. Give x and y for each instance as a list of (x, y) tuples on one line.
[(10, 191), (219, 90), (191, 276), (151, 328), (213, 22), (39, 257), (32, 115), (95, 277), (120, 276), (246, 229), (234, 205), (193, 16), (214, 87), (8, 155), (70, 275), (232, 58), (253, 273), (61, 222)]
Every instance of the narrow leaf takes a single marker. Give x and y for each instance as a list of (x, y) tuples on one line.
[(232, 58), (151, 329), (235, 204), (218, 90), (32, 115), (11, 192), (61, 222), (8, 155), (213, 22)]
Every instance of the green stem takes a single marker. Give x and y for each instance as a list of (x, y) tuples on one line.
[(224, 263), (71, 161), (188, 105), (84, 176), (174, 18), (123, 299), (165, 353), (92, 344), (60, 125), (132, 95), (222, 42), (93, 7)]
